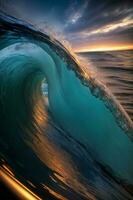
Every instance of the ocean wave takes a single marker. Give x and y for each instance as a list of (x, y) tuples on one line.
[(78, 103)]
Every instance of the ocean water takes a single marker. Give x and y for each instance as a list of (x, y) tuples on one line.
[(63, 133), (115, 70)]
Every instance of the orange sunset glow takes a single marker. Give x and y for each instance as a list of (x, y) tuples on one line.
[(93, 48)]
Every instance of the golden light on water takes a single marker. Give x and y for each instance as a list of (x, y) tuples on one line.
[(16, 186), (55, 194)]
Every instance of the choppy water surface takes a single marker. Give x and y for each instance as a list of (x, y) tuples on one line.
[(62, 134), (115, 69)]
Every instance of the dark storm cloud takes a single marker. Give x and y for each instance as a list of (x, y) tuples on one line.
[(75, 15), (102, 21), (79, 20), (100, 13)]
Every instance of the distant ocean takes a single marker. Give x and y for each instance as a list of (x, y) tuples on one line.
[(115, 70)]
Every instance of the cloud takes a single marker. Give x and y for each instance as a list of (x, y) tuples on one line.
[(75, 12), (99, 14), (81, 21), (102, 21), (123, 24)]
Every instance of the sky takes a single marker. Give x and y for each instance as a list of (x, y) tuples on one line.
[(88, 25)]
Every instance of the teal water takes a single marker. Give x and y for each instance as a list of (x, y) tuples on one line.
[(60, 130)]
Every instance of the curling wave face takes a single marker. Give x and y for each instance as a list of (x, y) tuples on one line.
[(78, 112)]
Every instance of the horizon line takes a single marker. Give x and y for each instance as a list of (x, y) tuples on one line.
[(102, 50)]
